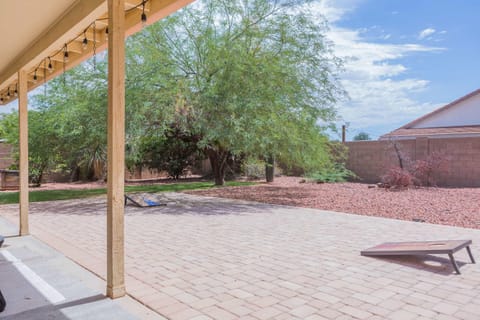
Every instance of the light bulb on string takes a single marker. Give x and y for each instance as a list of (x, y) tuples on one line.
[(85, 41), (65, 53), (50, 66), (144, 16), (35, 78)]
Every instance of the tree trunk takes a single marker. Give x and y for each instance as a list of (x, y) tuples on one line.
[(218, 163), (270, 168), (399, 154)]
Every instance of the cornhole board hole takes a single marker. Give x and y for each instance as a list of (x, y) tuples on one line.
[(421, 248), (144, 200)]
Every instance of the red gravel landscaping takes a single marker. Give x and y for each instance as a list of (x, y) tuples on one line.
[(455, 207)]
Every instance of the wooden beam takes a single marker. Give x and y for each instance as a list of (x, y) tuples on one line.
[(76, 19), (116, 150), (157, 9), (23, 140)]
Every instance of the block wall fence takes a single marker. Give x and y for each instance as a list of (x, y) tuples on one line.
[(5, 155), (371, 159)]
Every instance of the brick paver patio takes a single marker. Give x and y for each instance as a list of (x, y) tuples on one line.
[(206, 258)]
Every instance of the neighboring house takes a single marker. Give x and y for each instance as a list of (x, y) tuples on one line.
[(458, 119), (451, 132)]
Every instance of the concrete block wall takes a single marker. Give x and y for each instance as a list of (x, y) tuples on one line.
[(371, 159), (5, 155)]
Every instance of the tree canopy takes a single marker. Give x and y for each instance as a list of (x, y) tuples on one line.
[(254, 77), (237, 78), (362, 136)]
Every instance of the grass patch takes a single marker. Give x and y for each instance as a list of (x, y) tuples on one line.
[(52, 195)]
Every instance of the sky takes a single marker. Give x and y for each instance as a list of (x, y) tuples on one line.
[(403, 58)]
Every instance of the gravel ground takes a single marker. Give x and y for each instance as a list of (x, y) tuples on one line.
[(455, 207)]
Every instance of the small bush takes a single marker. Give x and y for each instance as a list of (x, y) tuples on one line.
[(415, 172), (254, 169), (398, 178), (426, 170), (337, 174)]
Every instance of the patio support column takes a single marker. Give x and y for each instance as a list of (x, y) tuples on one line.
[(116, 149), (23, 141)]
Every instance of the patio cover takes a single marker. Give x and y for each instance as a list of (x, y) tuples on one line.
[(35, 37)]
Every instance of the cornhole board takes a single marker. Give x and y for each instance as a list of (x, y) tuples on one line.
[(144, 200), (421, 248)]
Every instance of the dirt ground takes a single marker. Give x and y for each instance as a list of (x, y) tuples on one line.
[(449, 206), (455, 207)]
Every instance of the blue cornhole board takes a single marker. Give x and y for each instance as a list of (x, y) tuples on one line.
[(144, 200)]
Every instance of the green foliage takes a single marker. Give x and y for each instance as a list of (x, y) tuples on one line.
[(256, 77), (53, 195), (41, 141), (243, 77), (253, 168), (334, 170), (337, 174), (174, 151), (362, 136)]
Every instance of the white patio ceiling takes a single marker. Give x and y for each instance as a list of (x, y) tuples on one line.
[(34, 33)]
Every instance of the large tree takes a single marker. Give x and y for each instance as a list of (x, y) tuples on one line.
[(257, 77), (67, 125), (249, 78)]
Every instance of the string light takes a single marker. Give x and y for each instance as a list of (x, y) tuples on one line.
[(65, 53), (50, 66), (144, 16), (85, 41), (94, 46)]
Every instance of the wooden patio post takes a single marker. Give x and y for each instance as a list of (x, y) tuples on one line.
[(116, 149), (23, 141)]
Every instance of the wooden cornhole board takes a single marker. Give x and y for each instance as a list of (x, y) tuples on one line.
[(144, 200), (421, 248)]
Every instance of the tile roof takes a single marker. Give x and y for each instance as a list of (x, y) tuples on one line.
[(428, 132)]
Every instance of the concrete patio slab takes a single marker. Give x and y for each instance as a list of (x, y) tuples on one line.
[(40, 283), (209, 258)]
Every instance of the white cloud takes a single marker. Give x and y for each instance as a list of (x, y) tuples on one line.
[(426, 33), (381, 98), (333, 10)]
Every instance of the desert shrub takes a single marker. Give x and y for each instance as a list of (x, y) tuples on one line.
[(415, 172), (336, 174), (254, 169), (173, 151), (425, 170), (398, 178)]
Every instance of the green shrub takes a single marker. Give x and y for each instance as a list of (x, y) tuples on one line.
[(254, 169), (336, 174)]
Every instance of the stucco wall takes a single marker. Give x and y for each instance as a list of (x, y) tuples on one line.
[(371, 159), (464, 113)]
